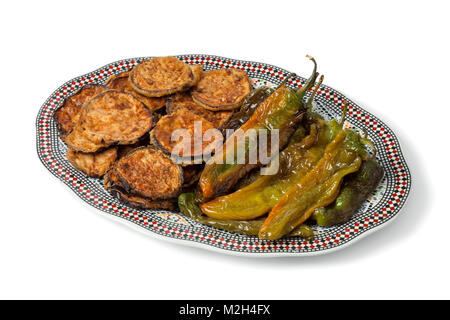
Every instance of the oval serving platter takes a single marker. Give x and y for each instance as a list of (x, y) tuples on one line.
[(379, 209)]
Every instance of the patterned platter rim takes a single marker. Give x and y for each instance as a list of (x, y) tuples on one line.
[(173, 227)]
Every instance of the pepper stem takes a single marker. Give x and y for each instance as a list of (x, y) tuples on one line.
[(311, 80), (344, 113), (290, 75), (365, 133), (311, 97), (370, 144)]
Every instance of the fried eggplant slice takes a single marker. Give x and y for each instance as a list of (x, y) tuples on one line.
[(78, 141), (93, 164), (121, 82), (112, 184), (149, 173), (191, 174), (112, 117), (125, 149), (158, 77), (67, 115), (197, 71), (184, 101), (222, 89), (183, 146)]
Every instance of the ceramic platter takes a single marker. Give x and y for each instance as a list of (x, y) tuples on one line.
[(379, 209)]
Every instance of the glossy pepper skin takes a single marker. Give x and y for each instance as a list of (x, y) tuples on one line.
[(318, 188), (355, 190), (188, 207), (262, 194), (297, 136), (281, 111), (249, 105), (299, 157)]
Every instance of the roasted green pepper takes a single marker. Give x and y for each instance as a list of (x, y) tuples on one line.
[(249, 105), (303, 231), (248, 179), (281, 111), (259, 196), (188, 207), (355, 190), (318, 188), (262, 194)]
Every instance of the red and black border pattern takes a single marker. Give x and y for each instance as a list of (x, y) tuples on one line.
[(397, 180)]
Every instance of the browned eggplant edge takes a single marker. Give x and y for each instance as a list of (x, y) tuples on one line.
[(129, 189)]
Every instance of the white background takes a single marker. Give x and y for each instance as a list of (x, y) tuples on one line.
[(392, 57)]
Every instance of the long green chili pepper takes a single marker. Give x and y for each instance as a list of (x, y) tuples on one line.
[(355, 190), (281, 111), (188, 207), (302, 231), (318, 188), (256, 199), (249, 105), (297, 136)]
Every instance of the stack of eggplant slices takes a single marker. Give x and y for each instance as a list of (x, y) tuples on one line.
[(122, 131)]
